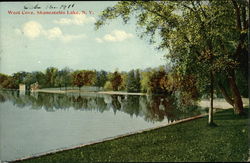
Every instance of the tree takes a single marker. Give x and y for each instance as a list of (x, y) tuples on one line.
[(67, 77), (138, 81), (204, 39), (133, 81), (108, 86), (124, 77), (29, 79), (6, 81), (145, 80), (101, 78), (50, 76), (18, 78), (89, 77), (84, 77), (59, 79), (40, 78), (116, 80), (63, 78), (78, 79), (157, 83)]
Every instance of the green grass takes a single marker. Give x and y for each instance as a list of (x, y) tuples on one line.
[(184, 142)]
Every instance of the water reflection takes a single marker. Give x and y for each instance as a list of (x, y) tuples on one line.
[(151, 108)]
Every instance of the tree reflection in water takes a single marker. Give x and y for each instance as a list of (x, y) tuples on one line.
[(151, 108)]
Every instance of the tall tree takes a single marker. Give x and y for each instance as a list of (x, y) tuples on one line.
[(145, 80), (204, 38), (133, 81), (101, 78), (63, 78), (78, 79), (157, 83), (116, 80), (89, 77), (138, 80), (50, 76)]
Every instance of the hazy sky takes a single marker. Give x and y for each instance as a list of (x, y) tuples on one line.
[(35, 42)]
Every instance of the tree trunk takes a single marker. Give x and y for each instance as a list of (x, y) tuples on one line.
[(225, 94), (238, 104), (210, 114)]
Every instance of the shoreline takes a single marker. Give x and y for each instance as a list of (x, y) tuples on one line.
[(164, 142), (97, 92), (218, 103), (109, 138)]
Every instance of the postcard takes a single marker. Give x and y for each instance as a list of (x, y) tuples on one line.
[(122, 81)]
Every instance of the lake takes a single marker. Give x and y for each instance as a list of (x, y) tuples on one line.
[(34, 123)]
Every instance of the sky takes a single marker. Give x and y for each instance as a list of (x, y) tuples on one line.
[(33, 42)]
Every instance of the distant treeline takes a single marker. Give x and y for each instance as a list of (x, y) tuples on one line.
[(160, 80), (133, 81)]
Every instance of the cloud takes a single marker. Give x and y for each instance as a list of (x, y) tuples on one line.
[(53, 33), (75, 20), (115, 36), (33, 29)]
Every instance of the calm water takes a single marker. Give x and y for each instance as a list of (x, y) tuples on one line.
[(40, 122)]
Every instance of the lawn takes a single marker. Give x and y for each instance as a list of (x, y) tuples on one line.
[(183, 142)]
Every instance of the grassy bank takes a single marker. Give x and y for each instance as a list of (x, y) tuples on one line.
[(189, 141)]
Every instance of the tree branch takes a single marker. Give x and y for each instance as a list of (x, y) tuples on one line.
[(237, 10), (245, 25), (188, 8), (155, 12), (205, 15)]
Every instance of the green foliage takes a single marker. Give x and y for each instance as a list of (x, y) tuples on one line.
[(137, 81), (63, 78), (6, 82), (202, 37), (108, 86), (133, 81), (18, 78), (50, 76), (28, 80), (242, 82), (123, 85), (145, 80), (40, 78), (101, 78)]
